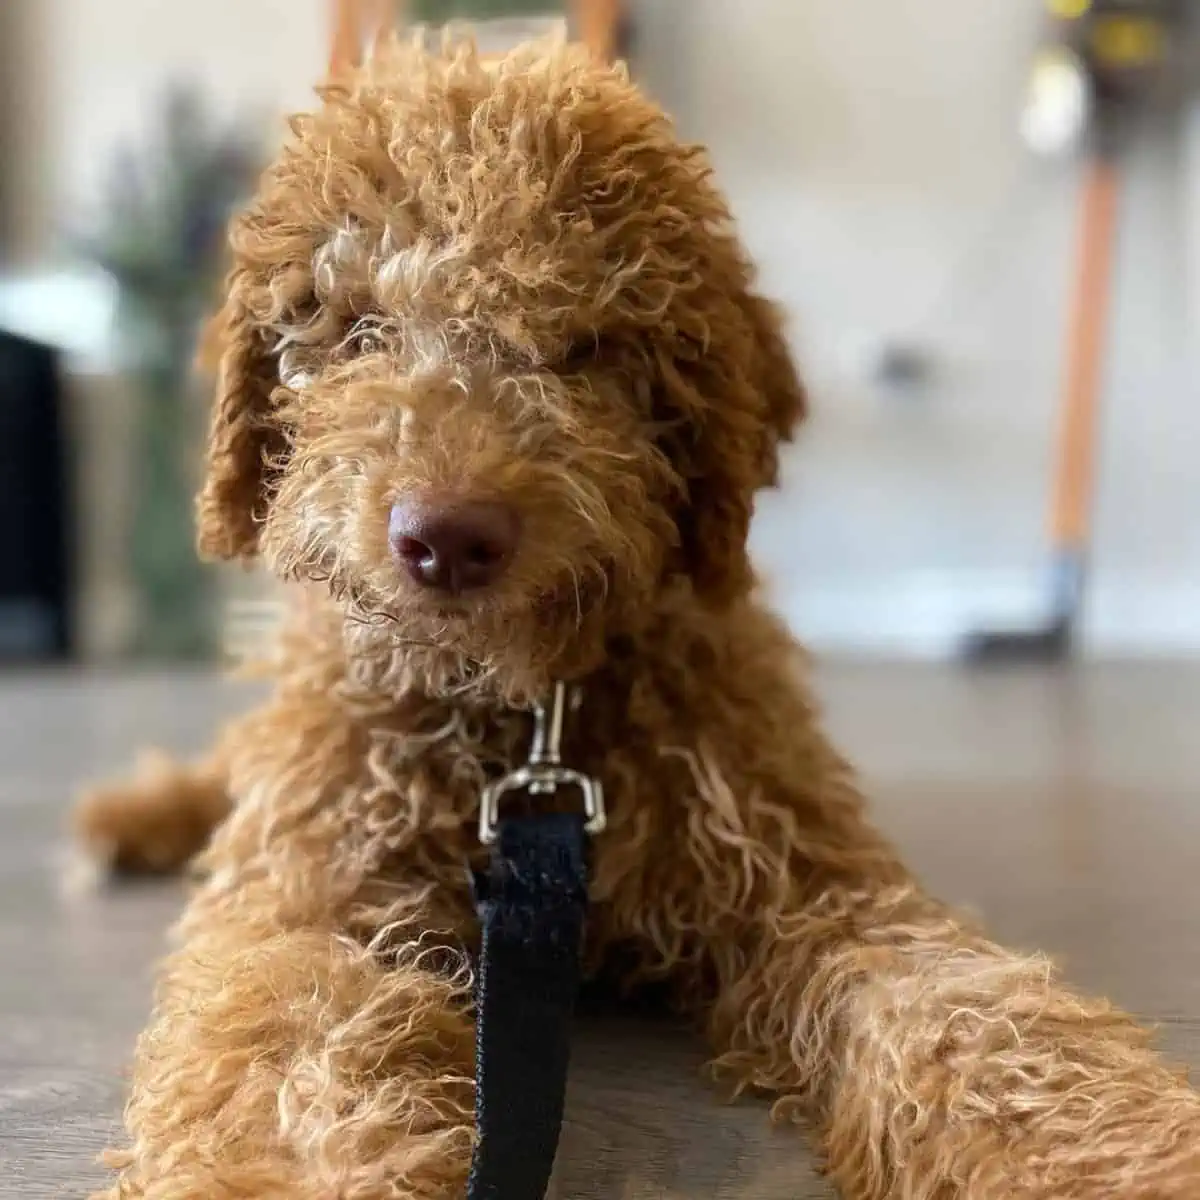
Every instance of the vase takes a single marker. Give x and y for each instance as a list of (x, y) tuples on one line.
[(173, 590)]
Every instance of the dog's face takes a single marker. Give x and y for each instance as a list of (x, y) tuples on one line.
[(491, 366)]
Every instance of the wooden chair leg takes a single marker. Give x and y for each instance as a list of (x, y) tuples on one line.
[(1074, 480), (597, 23), (352, 24)]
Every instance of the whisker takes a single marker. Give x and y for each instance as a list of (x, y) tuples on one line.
[(578, 598)]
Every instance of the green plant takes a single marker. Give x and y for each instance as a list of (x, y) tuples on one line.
[(161, 239), (441, 11)]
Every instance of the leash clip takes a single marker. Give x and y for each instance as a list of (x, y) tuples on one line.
[(544, 773)]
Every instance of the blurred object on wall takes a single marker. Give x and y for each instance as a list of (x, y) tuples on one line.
[(603, 25), (162, 242), (495, 30), (35, 622), (441, 12), (1058, 107), (1103, 62)]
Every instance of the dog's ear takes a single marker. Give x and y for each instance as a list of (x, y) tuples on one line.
[(241, 438), (745, 398), (779, 382)]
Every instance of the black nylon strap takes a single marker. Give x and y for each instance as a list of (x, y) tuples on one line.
[(531, 904)]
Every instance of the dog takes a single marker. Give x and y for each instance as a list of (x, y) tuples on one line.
[(496, 394)]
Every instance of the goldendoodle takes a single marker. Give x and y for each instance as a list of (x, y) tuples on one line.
[(496, 393)]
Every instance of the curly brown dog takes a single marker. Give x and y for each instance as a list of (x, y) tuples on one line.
[(497, 394)]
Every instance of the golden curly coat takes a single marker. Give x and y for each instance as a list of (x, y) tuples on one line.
[(509, 279)]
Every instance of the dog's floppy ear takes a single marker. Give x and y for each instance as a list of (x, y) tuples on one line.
[(779, 382), (746, 398), (241, 436)]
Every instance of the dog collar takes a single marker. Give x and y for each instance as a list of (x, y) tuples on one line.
[(544, 774)]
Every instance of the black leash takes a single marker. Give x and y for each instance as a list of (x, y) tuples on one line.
[(531, 902)]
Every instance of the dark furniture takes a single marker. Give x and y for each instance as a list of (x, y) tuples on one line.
[(35, 623)]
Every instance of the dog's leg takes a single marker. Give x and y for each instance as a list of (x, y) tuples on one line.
[(156, 821), (941, 1065), (312, 1035), (297, 1063)]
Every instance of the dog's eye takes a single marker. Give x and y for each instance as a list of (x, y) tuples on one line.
[(368, 343)]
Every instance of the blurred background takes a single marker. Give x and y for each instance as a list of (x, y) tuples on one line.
[(983, 219)]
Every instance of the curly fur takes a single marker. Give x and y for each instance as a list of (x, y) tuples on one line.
[(509, 279)]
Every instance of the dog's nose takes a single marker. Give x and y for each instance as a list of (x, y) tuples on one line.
[(453, 546)]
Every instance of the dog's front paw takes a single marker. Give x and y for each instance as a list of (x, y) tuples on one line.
[(152, 824), (1155, 1160)]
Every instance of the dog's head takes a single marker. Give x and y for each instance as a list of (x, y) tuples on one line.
[(491, 364)]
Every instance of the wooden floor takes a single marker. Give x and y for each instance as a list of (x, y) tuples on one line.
[(1064, 807)]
